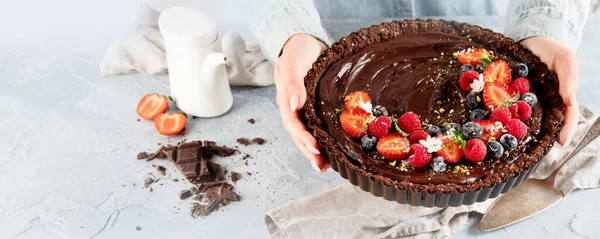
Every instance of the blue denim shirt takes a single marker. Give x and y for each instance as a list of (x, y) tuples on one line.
[(275, 21)]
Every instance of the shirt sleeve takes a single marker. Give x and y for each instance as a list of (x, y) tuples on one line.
[(275, 21), (560, 20)]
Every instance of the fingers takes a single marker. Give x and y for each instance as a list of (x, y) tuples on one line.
[(571, 120), (316, 160), (565, 66)]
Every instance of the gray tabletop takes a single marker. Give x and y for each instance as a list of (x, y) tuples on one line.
[(68, 141)]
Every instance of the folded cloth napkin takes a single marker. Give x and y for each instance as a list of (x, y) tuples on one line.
[(141, 49), (348, 212)]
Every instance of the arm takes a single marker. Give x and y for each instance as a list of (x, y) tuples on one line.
[(276, 21)]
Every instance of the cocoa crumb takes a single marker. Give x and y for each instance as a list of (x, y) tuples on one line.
[(258, 141), (251, 121), (243, 141), (142, 155)]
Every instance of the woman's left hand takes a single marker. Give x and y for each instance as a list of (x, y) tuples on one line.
[(563, 61)]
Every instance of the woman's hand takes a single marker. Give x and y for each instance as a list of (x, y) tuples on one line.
[(564, 62), (296, 59)]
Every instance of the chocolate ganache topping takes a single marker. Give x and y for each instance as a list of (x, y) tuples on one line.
[(417, 73)]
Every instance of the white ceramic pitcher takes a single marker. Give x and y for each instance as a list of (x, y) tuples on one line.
[(197, 73)]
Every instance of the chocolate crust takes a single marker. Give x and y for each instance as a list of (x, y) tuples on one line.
[(542, 80)]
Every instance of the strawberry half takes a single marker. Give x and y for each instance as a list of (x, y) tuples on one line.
[(492, 130), (152, 105), (351, 102), (170, 123), (498, 71), (393, 146), (495, 93), (472, 56), (355, 124), (452, 152)]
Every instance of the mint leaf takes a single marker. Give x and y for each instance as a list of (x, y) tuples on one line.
[(463, 144), (485, 61), (507, 102), (459, 138)]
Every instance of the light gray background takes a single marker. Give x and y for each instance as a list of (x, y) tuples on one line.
[(68, 138)]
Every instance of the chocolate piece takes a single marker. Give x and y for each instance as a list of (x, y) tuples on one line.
[(242, 140), (251, 121), (223, 193), (235, 176), (258, 141), (204, 172), (158, 154), (148, 182), (246, 156), (198, 210), (175, 180), (142, 155), (249, 173), (216, 171), (160, 169), (198, 197), (138, 228), (185, 194), (188, 159)]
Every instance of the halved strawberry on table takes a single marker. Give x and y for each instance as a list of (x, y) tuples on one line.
[(494, 94), (152, 105), (492, 130), (498, 71), (170, 123), (451, 151), (393, 146), (355, 124), (472, 56), (352, 102)]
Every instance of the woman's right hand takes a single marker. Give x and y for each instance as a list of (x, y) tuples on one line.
[(297, 57)]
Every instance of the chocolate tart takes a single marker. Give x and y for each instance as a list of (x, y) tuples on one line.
[(408, 66)]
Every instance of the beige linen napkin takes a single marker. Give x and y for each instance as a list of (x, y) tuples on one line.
[(348, 212), (140, 48)]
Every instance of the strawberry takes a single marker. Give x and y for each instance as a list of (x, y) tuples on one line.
[(516, 128), (475, 150), (152, 105), (355, 125), (352, 101), (501, 114), (494, 94), (472, 56), (419, 157), (498, 71), (492, 130), (467, 78), (170, 123), (452, 152), (416, 136), (520, 110), (520, 85), (409, 122), (380, 126), (393, 146)]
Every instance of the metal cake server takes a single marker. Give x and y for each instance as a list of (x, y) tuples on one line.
[(533, 195)]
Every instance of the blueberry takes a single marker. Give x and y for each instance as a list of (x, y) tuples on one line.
[(368, 141), (478, 114), (508, 141), (474, 100), (480, 68), (471, 130), (439, 164), (494, 150), (466, 67), (379, 111), (433, 130), (449, 126), (521, 70), (530, 98)]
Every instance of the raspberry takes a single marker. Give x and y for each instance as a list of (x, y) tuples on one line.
[(516, 128), (501, 114), (380, 126), (467, 78), (520, 85), (520, 110), (417, 135), (409, 122), (419, 157), (475, 150)]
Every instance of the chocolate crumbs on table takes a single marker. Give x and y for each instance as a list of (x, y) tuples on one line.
[(251, 121), (243, 141), (258, 141), (235, 176), (148, 182), (142, 155), (185, 194)]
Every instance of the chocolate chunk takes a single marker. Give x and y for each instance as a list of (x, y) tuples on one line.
[(223, 151), (235, 176), (243, 141), (175, 180), (246, 156), (206, 152), (204, 172), (188, 159), (160, 169), (216, 170), (198, 210), (249, 173), (142, 155), (198, 197), (251, 121), (209, 143), (223, 194), (185, 194), (148, 182), (258, 141)]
